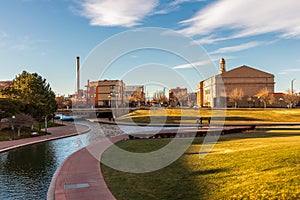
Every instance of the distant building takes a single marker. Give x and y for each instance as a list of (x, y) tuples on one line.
[(178, 96), (135, 95), (4, 84), (106, 93), (214, 91), (192, 99)]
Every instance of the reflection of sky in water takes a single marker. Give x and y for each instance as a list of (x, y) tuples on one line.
[(26, 172)]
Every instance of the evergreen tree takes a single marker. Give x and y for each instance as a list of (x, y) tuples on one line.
[(34, 93)]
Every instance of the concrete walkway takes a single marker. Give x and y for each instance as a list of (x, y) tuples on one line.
[(80, 176), (56, 133)]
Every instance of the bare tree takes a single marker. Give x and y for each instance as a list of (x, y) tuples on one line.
[(236, 95), (265, 96), (20, 121), (160, 97), (138, 97), (291, 98)]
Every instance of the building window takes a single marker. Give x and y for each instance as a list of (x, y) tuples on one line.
[(112, 87)]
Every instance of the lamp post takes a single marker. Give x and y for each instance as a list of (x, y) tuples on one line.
[(109, 100), (46, 123), (13, 126), (13, 123), (280, 100)]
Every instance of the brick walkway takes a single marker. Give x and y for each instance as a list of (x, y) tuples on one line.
[(56, 133), (80, 176)]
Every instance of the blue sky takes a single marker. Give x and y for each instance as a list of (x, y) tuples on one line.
[(45, 36)]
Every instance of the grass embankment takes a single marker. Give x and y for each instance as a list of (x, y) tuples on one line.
[(8, 134), (173, 116), (259, 165)]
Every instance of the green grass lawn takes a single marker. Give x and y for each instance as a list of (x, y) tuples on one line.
[(174, 116), (255, 165), (7, 134)]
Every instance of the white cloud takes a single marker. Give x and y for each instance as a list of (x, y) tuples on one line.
[(292, 70), (236, 48), (289, 71), (173, 6), (178, 2), (247, 18), (211, 39), (125, 13), (193, 65)]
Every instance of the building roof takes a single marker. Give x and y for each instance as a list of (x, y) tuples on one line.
[(246, 71)]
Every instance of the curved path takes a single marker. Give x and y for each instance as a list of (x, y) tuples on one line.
[(80, 176), (56, 133)]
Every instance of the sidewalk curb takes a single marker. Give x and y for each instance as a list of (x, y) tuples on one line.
[(40, 139)]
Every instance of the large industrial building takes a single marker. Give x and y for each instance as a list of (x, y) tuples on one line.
[(214, 91)]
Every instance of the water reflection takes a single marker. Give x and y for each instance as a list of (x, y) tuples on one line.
[(26, 172)]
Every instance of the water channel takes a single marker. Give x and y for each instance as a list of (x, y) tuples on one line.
[(26, 172)]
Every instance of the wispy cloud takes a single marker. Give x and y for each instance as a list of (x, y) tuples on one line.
[(211, 39), (25, 43), (124, 13), (173, 6), (178, 2), (193, 65), (289, 71), (3, 34), (237, 48), (247, 18)]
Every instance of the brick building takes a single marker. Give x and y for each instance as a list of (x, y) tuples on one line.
[(214, 91), (106, 93)]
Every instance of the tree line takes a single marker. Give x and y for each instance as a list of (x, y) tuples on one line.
[(265, 96)]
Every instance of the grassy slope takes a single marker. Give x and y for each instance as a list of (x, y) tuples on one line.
[(232, 115), (260, 165)]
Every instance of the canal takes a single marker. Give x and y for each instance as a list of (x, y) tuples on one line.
[(26, 172)]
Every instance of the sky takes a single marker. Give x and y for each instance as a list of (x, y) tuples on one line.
[(46, 36)]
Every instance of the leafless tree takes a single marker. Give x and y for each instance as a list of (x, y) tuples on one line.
[(236, 95), (265, 96), (291, 98), (159, 97), (20, 121)]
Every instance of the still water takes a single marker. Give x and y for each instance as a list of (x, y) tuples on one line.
[(26, 172)]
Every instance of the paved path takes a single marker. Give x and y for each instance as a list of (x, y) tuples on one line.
[(56, 133), (80, 176)]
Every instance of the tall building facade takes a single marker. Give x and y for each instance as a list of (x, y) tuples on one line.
[(106, 93), (214, 91)]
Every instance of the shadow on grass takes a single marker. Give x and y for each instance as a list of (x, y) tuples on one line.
[(160, 184), (208, 171), (254, 135), (178, 119)]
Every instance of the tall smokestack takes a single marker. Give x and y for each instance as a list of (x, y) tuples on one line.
[(77, 75)]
